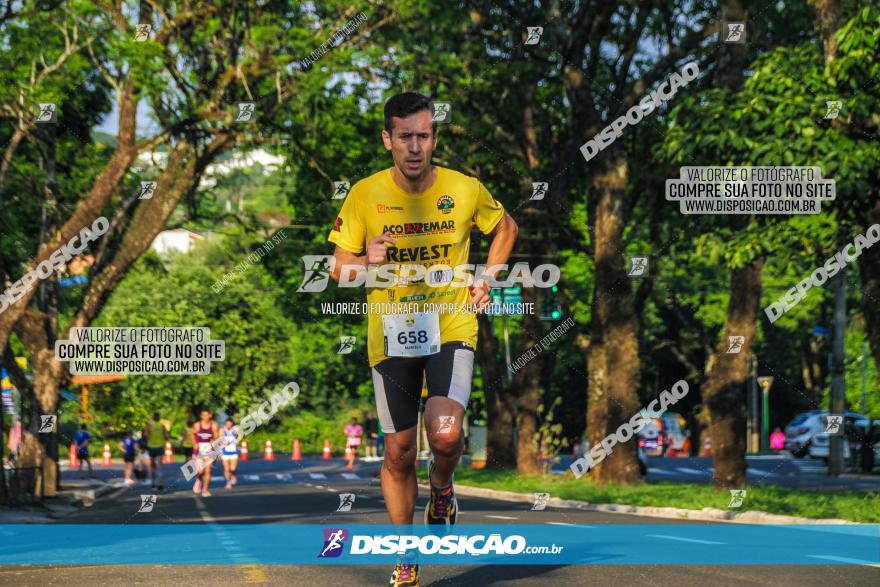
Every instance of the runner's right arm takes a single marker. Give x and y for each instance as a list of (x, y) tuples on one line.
[(377, 247)]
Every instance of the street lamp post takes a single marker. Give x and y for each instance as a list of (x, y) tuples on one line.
[(765, 383)]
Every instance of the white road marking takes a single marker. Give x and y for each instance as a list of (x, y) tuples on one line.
[(501, 517), (317, 475), (690, 471), (350, 476), (283, 476), (751, 471), (569, 524), (252, 477), (683, 539), (843, 559)]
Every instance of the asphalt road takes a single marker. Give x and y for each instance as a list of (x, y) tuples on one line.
[(281, 492)]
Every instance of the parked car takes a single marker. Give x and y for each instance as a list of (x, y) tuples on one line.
[(643, 462), (801, 432), (652, 438), (677, 435), (860, 432)]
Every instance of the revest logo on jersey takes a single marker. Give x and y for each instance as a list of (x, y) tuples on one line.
[(338, 224), (445, 204)]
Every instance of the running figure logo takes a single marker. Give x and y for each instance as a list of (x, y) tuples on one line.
[(317, 273), (446, 424), (47, 112), (245, 112), (346, 345), (346, 500), (638, 267), (737, 496), (540, 502), (147, 503), (334, 540), (539, 190), (148, 189), (833, 425), (47, 424), (143, 32), (442, 112), (735, 344), (734, 32), (834, 107), (340, 190), (534, 34)]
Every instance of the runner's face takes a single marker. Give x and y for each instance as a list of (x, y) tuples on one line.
[(411, 143), (206, 416)]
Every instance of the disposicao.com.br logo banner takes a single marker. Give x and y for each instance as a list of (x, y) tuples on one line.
[(466, 544)]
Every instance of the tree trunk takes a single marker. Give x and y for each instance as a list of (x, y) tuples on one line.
[(724, 389), (500, 451), (613, 353), (869, 278), (527, 381)]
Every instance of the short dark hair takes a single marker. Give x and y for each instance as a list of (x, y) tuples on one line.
[(156, 416), (83, 427), (405, 104)]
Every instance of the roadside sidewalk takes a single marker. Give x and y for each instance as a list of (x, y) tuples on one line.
[(75, 495), (705, 514)]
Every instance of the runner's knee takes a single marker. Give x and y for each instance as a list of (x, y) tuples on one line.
[(446, 444), (400, 459)]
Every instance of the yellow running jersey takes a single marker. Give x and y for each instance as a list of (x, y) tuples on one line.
[(430, 228)]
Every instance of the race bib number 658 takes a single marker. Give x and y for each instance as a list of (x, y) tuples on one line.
[(411, 335)]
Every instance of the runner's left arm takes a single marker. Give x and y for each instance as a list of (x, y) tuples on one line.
[(503, 238)]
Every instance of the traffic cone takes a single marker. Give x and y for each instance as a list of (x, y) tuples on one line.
[(326, 455), (296, 455), (106, 460), (244, 451), (268, 454), (169, 454), (71, 458), (349, 456)]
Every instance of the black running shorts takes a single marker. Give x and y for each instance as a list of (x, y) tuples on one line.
[(397, 382)]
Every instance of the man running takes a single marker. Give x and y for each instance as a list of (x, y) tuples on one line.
[(416, 213), (83, 439), (128, 446), (371, 431), (157, 436), (204, 432), (230, 453)]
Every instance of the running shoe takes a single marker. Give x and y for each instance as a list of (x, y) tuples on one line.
[(234, 479), (442, 508), (206, 493), (405, 574), (197, 488), (229, 485)]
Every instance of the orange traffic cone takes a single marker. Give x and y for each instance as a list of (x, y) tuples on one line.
[(349, 456), (169, 454), (106, 460), (71, 458), (244, 451), (326, 455), (268, 453), (296, 455)]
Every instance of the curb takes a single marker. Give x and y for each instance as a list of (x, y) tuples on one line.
[(705, 514)]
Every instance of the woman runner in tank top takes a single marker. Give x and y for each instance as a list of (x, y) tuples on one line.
[(204, 432), (230, 453)]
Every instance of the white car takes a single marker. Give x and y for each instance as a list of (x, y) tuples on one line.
[(808, 429)]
